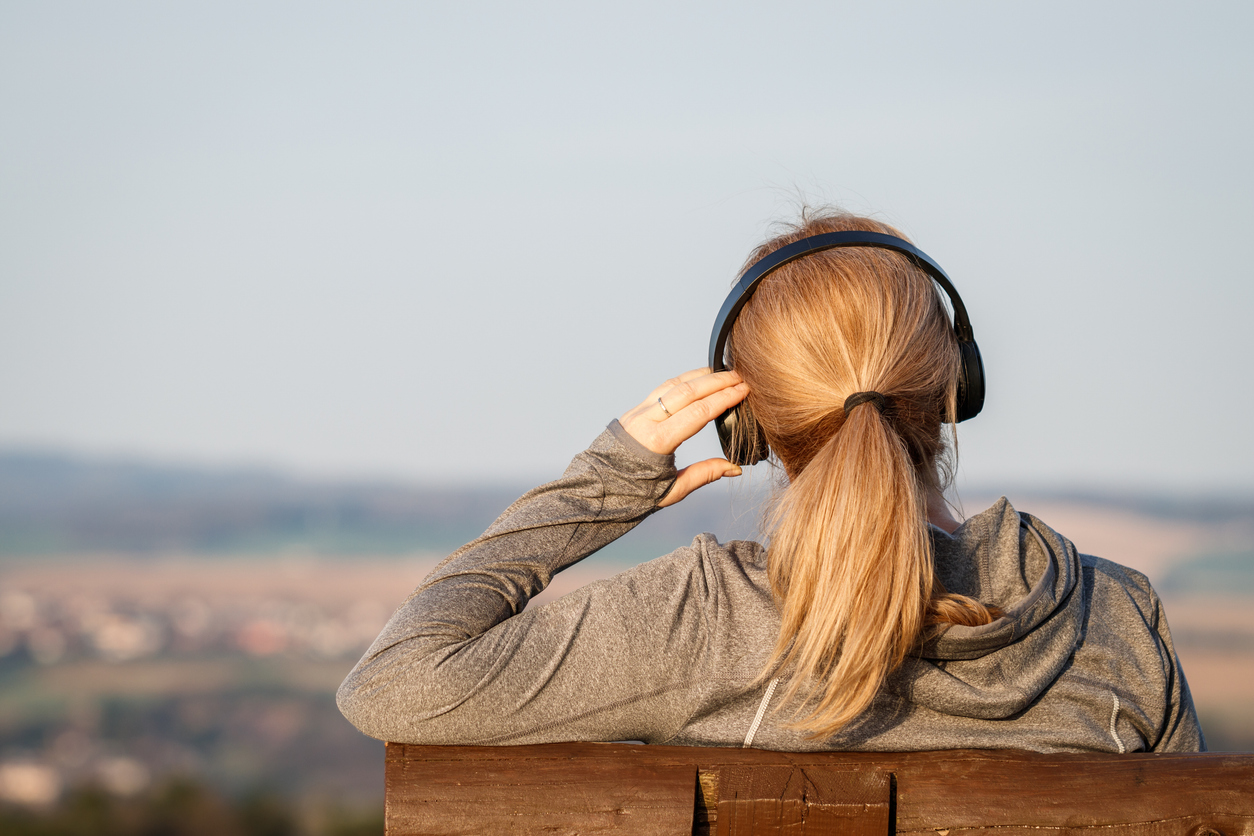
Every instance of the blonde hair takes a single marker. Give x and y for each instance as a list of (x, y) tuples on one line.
[(849, 554)]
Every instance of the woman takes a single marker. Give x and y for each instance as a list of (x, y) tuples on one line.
[(887, 624)]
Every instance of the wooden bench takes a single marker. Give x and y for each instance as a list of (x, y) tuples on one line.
[(596, 788)]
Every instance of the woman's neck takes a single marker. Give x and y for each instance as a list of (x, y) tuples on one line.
[(938, 513)]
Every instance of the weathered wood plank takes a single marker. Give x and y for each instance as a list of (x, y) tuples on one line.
[(548, 796), (1013, 792), (936, 793), (801, 801)]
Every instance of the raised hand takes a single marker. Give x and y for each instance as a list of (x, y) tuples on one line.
[(676, 411)]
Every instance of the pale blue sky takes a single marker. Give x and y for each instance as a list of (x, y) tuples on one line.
[(443, 241)]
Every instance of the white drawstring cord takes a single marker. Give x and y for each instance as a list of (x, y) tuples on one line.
[(1114, 715), (757, 720)]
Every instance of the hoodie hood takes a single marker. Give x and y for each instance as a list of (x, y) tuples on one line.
[(996, 670)]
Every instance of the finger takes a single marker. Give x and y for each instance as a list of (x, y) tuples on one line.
[(686, 392), (666, 435), (675, 381), (675, 391), (698, 397), (698, 476)]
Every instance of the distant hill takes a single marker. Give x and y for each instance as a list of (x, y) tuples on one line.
[(1201, 508), (53, 503), (1214, 574), (59, 504)]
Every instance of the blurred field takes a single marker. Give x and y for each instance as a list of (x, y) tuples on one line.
[(120, 672)]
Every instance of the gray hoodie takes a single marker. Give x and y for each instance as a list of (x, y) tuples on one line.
[(671, 650)]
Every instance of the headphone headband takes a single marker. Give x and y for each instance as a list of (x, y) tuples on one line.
[(760, 269), (971, 378)]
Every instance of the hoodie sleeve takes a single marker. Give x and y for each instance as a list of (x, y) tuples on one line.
[(1181, 730), (461, 663)]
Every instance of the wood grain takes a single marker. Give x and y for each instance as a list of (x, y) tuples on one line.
[(539, 795), (796, 800), (737, 791)]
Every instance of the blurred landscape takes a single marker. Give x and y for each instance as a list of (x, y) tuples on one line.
[(174, 635)]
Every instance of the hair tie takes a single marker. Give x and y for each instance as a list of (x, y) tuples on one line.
[(858, 398)]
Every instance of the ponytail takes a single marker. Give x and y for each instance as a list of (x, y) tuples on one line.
[(852, 525)]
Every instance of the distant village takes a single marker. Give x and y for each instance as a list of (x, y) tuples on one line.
[(118, 673)]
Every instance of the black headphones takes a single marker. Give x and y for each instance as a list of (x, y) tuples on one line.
[(753, 447)]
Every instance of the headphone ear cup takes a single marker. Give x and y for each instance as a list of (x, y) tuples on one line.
[(743, 443), (970, 382)]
